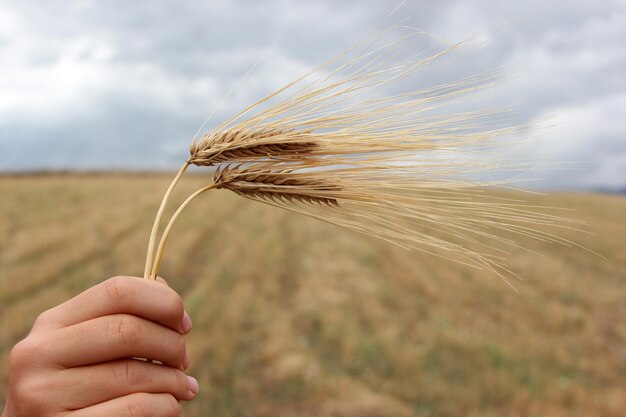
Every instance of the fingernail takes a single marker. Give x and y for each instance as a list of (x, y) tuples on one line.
[(193, 384), (186, 361), (186, 322)]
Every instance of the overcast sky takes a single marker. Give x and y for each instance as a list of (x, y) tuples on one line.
[(117, 84)]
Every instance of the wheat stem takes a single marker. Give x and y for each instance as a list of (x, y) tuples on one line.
[(157, 221), (166, 232)]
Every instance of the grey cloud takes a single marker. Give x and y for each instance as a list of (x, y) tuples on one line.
[(148, 73)]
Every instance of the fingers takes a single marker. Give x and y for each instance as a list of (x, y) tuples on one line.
[(162, 281), (80, 354), (121, 295), (115, 337), (121, 378), (134, 405)]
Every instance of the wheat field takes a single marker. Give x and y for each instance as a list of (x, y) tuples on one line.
[(293, 317)]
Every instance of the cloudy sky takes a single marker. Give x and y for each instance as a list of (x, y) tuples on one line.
[(116, 84)]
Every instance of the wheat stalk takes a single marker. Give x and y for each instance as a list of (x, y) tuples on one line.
[(332, 145)]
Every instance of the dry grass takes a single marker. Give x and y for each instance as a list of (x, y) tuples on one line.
[(294, 317)]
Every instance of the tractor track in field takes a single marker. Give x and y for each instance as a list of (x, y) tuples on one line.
[(56, 275), (195, 258), (291, 262), (9, 232)]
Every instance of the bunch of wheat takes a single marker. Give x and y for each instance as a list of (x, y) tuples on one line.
[(398, 166)]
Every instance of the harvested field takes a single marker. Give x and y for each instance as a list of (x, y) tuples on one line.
[(294, 317)]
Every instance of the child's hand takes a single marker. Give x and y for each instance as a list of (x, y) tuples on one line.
[(77, 359)]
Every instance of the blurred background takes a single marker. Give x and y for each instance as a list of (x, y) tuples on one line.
[(99, 101)]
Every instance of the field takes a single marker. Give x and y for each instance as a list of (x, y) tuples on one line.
[(293, 317)]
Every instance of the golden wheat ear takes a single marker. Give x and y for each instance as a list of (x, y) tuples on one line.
[(261, 182), (338, 146), (249, 145)]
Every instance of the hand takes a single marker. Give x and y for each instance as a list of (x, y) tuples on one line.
[(78, 358)]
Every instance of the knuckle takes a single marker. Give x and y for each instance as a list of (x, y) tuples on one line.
[(181, 380), (27, 394), (22, 393), (43, 319), (24, 353), (125, 328), (132, 372), (173, 406), (28, 384), (20, 353), (139, 406), (144, 405), (119, 289)]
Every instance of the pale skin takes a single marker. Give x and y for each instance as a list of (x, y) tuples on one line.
[(78, 361)]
